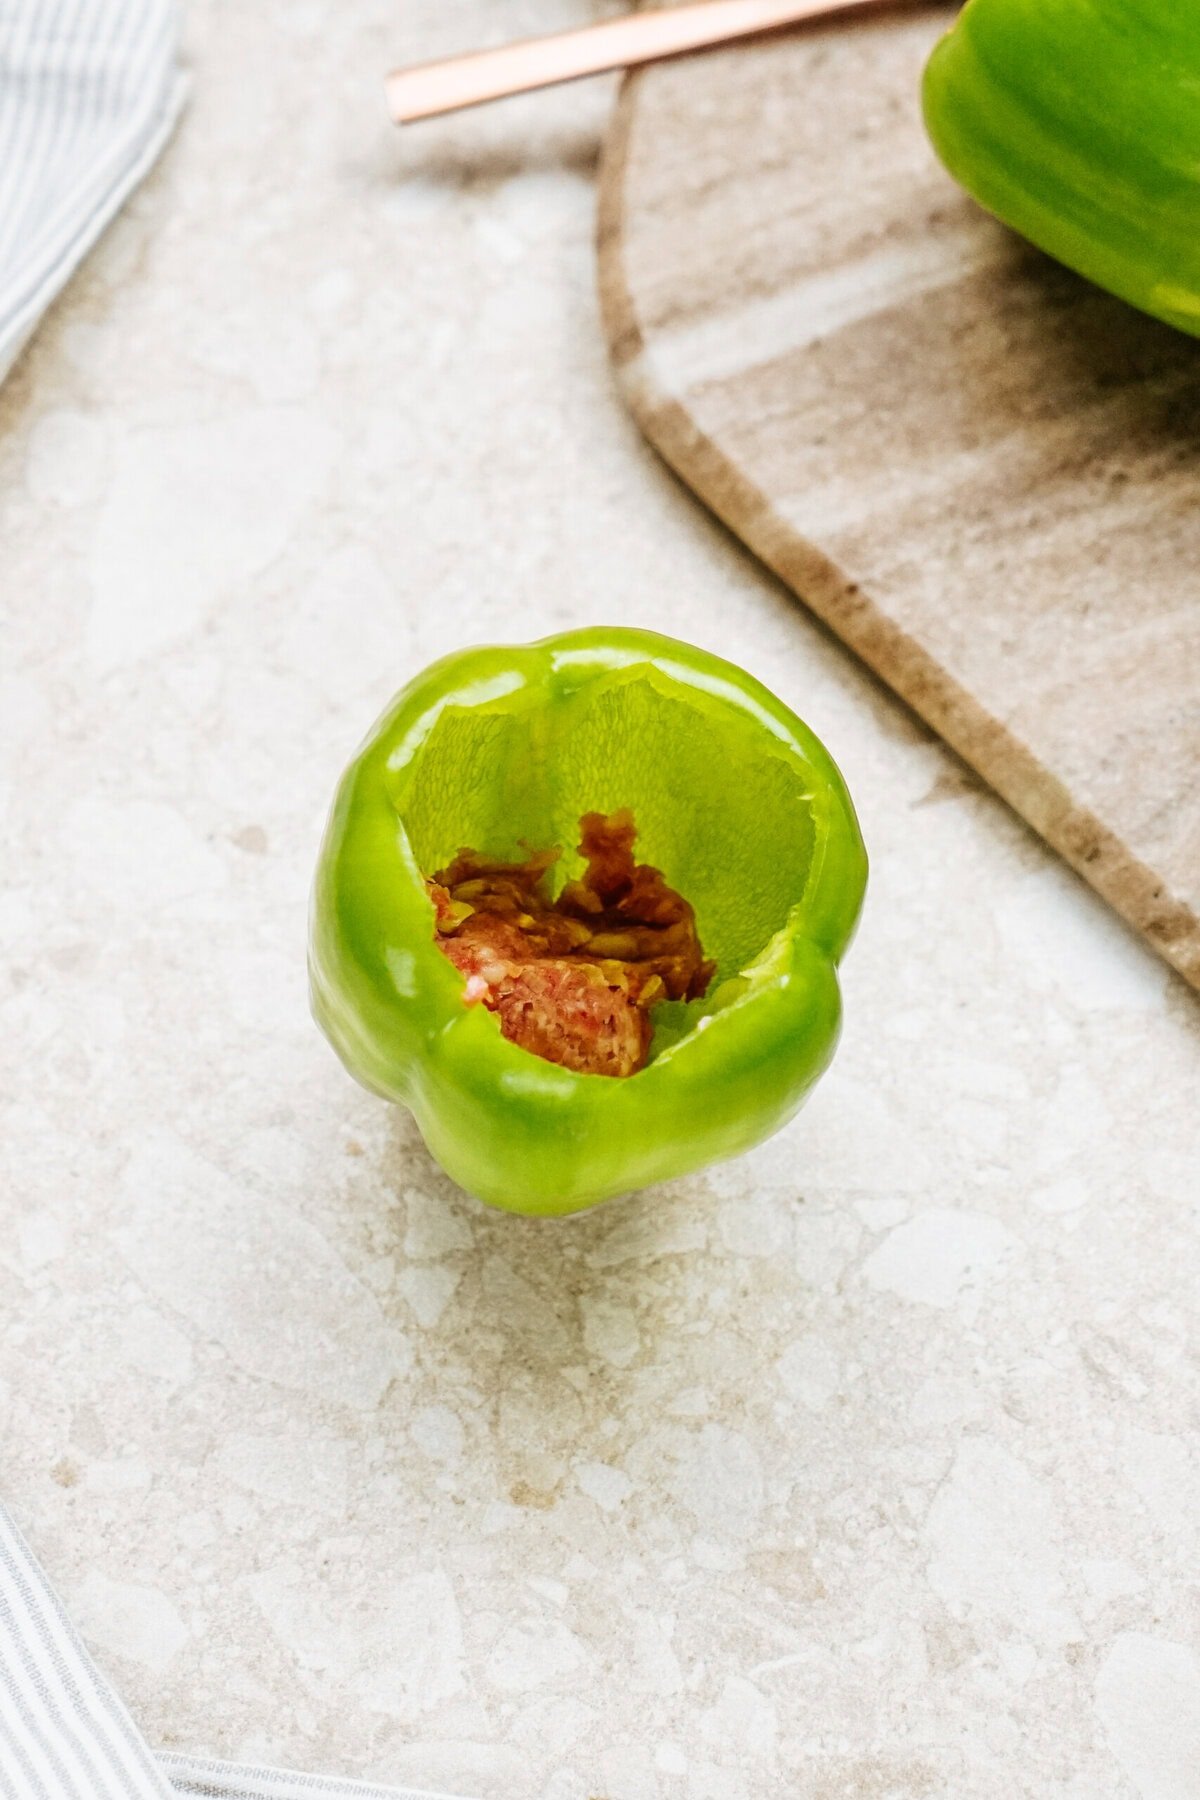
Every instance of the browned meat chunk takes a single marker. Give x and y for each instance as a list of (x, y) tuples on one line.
[(572, 979)]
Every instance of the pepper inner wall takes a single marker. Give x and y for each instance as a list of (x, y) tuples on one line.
[(729, 825)]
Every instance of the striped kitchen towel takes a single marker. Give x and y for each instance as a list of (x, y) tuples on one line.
[(90, 91), (64, 1734)]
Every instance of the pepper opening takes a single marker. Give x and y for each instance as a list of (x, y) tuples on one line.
[(728, 821), (572, 978)]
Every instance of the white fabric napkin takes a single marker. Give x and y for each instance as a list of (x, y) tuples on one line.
[(90, 91), (64, 1734)]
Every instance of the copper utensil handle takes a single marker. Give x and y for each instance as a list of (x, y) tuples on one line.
[(442, 87)]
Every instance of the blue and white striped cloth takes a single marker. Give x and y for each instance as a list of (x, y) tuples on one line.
[(90, 91), (64, 1734)]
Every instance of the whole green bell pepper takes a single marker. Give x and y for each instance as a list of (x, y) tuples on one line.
[(735, 800), (1078, 123)]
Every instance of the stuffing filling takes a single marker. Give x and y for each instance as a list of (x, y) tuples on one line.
[(572, 979)]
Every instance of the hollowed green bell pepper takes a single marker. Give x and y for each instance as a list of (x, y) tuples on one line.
[(735, 800), (1078, 123)]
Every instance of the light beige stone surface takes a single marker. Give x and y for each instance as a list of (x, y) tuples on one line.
[(867, 1466)]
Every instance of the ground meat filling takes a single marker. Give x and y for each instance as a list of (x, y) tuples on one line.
[(572, 979)]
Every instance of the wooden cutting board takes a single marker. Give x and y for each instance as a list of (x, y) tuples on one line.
[(982, 473)]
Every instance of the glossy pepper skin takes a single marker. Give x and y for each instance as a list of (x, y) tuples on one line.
[(735, 800), (1077, 122)]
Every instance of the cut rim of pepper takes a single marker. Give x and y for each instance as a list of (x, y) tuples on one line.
[(668, 750)]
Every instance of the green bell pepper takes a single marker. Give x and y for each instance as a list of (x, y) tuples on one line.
[(735, 800), (1077, 122)]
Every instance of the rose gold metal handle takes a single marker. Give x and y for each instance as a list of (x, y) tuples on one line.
[(443, 87)]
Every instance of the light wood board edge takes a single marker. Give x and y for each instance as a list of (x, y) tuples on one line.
[(1169, 925)]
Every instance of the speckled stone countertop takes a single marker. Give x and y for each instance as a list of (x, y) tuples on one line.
[(867, 1466)]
